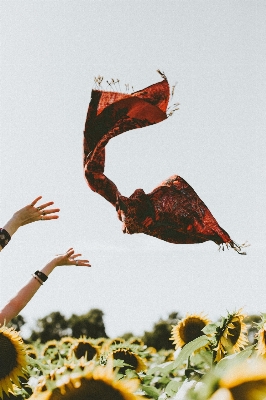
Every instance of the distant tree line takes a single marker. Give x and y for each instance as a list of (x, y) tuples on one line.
[(56, 325)]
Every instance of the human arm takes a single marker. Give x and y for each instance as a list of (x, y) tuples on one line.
[(25, 294), (26, 215)]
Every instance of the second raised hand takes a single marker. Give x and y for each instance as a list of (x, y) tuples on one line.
[(70, 258)]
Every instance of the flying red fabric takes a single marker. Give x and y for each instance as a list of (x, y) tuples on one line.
[(172, 211)]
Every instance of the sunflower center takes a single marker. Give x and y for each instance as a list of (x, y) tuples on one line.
[(235, 332), (191, 329), (250, 390), (85, 349), (8, 356), (89, 390), (128, 358)]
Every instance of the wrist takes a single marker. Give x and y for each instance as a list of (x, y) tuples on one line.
[(49, 267), (12, 225)]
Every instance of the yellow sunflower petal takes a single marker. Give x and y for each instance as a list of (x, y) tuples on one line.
[(129, 357), (188, 329), (84, 348), (261, 346), (13, 358), (101, 382), (222, 394), (233, 337)]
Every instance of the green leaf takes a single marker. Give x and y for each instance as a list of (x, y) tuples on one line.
[(233, 359), (163, 381), (131, 374), (146, 379), (158, 369), (220, 324), (172, 387), (151, 391), (202, 356), (209, 329), (119, 363), (187, 350)]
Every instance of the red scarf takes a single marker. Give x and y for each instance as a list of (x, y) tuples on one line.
[(172, 211)]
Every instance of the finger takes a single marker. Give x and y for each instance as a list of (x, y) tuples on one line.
[(49, 211), (80, 260), (70, 252), (87, 264), (48, 217), (76, 255), (71, 248), (42, 206), (82, 263), (35, 201)]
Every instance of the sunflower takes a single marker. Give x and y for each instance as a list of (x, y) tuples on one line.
[(84, 348), (74, 365), (67, 340), (99, 383), (261, 336), (150, 353), (100, 341), (51, 351), (116, 340), (132, 359), (246, 381), (136, 340), (31, 351), (231, 335), (167, 354), (13, 359), (112, 342), (188, 329), (50, 345)]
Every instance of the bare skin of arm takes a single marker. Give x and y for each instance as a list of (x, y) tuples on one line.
[(25, 294)]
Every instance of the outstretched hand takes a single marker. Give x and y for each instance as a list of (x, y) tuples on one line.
[(30, 213), (70, 258)]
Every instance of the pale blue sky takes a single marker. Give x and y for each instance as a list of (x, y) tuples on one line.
[(216, 52)]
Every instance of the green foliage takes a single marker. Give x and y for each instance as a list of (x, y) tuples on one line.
[(90, 324), (190, 374), (17, 322), (209, 329), (127, 335), (252, 321), (172, 387), (186, 352), (234, 359), (159, 337), (151, 391), (55, 326)]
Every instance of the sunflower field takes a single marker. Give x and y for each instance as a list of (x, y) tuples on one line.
[(210, 361)]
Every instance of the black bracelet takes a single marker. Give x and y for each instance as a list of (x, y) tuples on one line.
[(4, 237), (41, 276)]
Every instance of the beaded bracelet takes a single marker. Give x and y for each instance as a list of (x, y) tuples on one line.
[(41, 276), (4, 237)]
